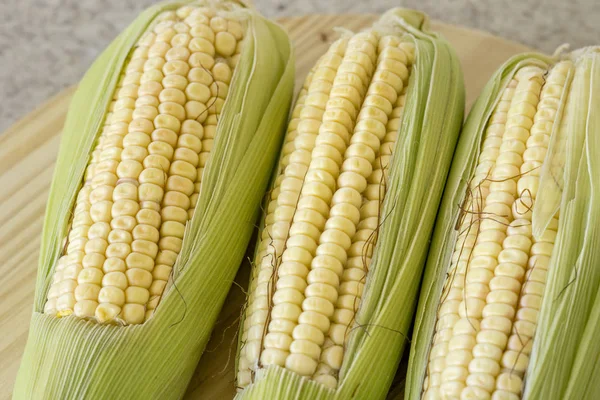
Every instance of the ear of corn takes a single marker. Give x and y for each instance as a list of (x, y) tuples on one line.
[(508, 305), (344, 237), (167, 150)]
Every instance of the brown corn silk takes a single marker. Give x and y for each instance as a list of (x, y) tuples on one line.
[(507, 306), (345, 231), (166, 153)]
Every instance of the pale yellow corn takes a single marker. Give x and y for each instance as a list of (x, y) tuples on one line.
[(142, 183), (487, 318), (324, 211)]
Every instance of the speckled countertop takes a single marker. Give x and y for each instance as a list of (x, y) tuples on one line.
[(46, 45)]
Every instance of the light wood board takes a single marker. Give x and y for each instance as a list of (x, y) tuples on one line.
[(27, 155)]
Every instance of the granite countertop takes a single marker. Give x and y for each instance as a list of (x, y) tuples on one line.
[(46, 45)]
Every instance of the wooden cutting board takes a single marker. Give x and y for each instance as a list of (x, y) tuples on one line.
[(27, 155)]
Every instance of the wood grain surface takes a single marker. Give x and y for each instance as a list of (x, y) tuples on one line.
[(27, 155)]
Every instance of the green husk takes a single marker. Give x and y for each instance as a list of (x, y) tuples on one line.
[(428, 134), (564, 360), (73, 358)]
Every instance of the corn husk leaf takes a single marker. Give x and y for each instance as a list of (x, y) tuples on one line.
[(427, 137), (564, 360), (73, 358)]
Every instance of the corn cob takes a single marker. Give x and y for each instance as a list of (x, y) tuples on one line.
[(362, 134), (155, 199), (493, 327), (143, 180)]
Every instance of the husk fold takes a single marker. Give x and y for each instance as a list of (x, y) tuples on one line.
[(73, 358), (564, 361), (421, 160)]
